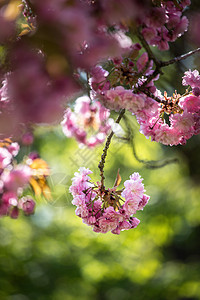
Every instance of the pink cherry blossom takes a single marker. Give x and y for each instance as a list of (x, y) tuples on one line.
[(18, 177), (89, 123), (5, 157), (190, 103), (134, 189), (191, 78), (102, 209), (27, 204)]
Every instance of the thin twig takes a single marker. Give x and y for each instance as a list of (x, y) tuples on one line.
[(105, 150), (149, 164), (153, 164), (179, 58)]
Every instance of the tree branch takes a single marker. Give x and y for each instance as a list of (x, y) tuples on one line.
[(147, 48), (179, 58), (149, 164), (105, 150)]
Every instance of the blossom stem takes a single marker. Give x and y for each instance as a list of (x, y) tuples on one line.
[(105, 150)]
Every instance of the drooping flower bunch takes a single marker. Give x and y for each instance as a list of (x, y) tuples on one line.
[(108, 209), (16, 178), (89, 123)]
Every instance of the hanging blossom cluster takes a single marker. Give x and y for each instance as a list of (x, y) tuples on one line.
[(17, 178), (108, 209), (89, 124)]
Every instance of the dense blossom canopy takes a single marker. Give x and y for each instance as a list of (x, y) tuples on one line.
[(83, 59)]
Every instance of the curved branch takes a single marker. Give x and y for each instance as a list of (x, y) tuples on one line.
[(149, 164)]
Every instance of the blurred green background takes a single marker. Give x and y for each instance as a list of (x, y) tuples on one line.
[(53, 255)]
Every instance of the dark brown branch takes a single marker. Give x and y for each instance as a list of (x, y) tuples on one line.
[(149, 94), (160, 65), (149, 78), (105, 150), (147, 48)]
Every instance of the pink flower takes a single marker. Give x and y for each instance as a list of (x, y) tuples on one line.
[(5, 157), (136, 103), (114, 98), (143, 202), (134, 189), (149, 34), (14, 148), (157, 17), (101, 209), (16, 178), (27, 139), (191, 78), (14, 213), (8, 200), (142, 61), (109, 220), (118, 98), (98, 80), (134, 222), (190, 103), (183, 123), (180, 28), (80, 182), (82, 211), (27, 205), (89, 123), (166, 135)]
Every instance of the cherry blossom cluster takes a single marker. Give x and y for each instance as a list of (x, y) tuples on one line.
[(108, 209), (17, 178), (177, 118), (88, 124), (168, 120), (174, 121), (164, 23), (127, 71)]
